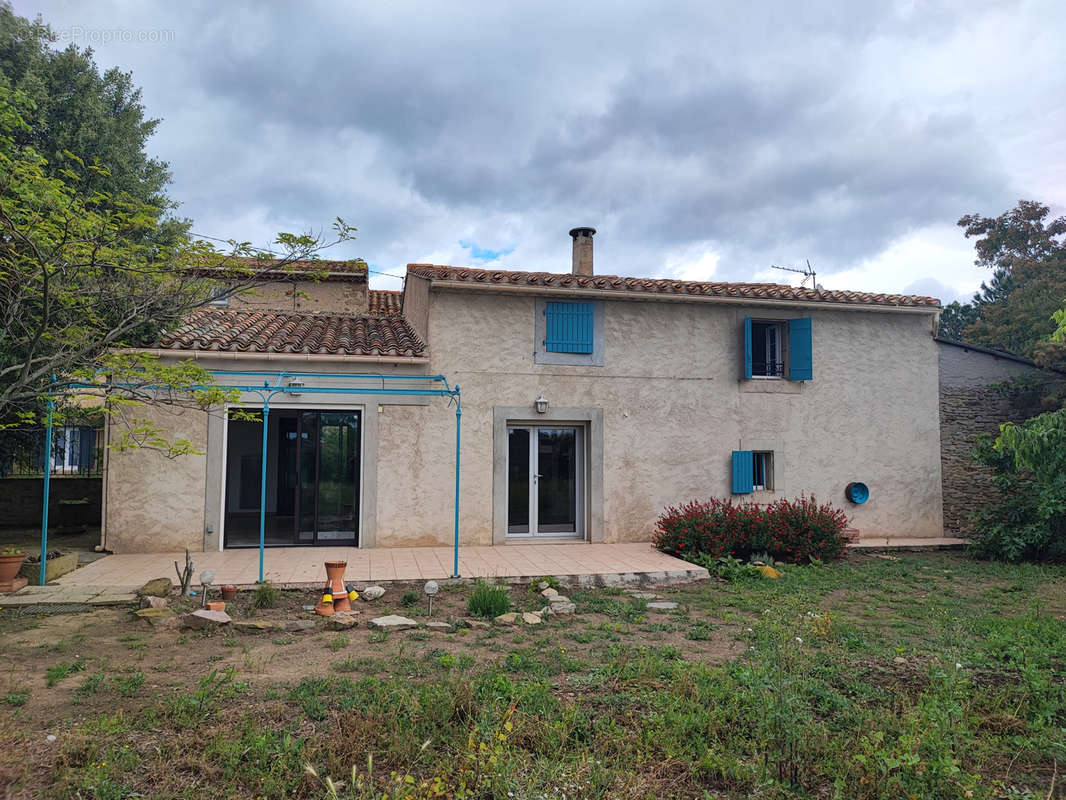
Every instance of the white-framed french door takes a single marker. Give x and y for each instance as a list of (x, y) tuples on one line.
[(545, 481)]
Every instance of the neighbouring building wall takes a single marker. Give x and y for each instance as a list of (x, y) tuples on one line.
[(155, 503), (673, 410), (973, 402), (336, 297)]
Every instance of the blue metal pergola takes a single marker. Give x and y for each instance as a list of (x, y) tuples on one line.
[(246, 382)]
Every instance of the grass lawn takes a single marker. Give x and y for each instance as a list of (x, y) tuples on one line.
[(920, 676)]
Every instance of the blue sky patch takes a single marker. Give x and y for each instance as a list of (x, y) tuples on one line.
[(481, 253)]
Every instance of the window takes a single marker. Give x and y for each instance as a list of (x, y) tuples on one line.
[(775, 349), (753, 471), (568, 327)]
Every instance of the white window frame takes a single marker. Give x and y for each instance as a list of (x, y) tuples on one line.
[(774, 351)]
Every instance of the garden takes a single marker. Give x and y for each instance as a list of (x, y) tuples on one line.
[(876, 676)]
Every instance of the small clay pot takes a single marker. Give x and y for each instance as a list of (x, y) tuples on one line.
[(216, 605), (229, 593)]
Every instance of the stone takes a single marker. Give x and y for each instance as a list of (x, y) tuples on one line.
[(157, 617), (544, 585), (549, 592), (393, 622), (438, 626), (558, 598), (532, 619), (899, 660), (259, 626), (298, 625), (477, 623), (645, 595), (372, 593), (662, 605), (202, 619), (157, 587), (507, 619), (150, 601), (343, 620), (769, 572), (560, 608)]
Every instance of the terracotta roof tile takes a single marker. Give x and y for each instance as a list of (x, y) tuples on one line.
[(615, 283), (382, 302), (290, 332)]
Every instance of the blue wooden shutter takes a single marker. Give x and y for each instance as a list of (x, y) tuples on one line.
[(747, 347), (800, 350), (568, 327), (743, 468)]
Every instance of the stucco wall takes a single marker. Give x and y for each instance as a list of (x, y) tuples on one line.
[(343, 297), (674, 410), (155, 503)]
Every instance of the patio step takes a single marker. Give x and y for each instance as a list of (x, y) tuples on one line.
[(897, 543)]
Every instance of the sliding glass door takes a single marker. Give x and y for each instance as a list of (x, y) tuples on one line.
[(312, 491), (544, 481)]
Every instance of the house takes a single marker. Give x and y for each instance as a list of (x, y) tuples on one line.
[(589, 403)]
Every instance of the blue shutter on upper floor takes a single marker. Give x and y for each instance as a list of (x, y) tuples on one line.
[(747, 347), (568, 327), (743, 470), (800, 350)]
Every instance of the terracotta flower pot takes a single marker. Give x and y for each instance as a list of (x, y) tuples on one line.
[(229, 593), (335, 576), (10, 565)]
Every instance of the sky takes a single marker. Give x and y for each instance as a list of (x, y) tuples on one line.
[(703, 140)]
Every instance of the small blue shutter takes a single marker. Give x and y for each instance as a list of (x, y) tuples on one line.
[(743, 466), (800, 350), (568, 327), (747, 347)]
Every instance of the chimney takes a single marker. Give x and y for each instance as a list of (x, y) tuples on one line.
[(583, 250)]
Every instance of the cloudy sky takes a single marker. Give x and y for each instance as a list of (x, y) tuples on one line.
[(704, 140)]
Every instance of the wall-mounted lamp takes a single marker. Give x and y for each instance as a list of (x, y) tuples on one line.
[(295, 383), (541, 404)]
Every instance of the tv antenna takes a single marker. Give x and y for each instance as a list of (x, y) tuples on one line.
[(806, 273)]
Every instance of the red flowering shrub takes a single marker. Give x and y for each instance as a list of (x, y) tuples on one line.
[(789, 530)]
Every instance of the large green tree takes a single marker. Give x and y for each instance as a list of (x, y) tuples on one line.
[(1013, 310)]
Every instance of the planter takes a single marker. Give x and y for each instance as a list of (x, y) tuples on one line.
[(335, 577), (229, 593), (55, 566), (9, 567)]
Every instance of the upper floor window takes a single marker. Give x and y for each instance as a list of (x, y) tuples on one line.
[(568, 327), (778, 349)]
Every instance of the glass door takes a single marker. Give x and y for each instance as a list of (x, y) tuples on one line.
[(544, 476)]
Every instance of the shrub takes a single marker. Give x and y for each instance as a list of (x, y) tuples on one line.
[(489, 600), (788, 530), (266, 595)]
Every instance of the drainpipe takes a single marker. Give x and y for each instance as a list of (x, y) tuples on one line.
[(458, 428), (47, 487)]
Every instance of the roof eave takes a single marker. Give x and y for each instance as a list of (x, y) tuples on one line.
[(173, 352)]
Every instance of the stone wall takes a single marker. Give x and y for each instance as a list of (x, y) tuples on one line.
[(972, 402), (73, 502)]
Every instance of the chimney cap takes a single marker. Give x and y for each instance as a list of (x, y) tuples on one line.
[(585, 231)]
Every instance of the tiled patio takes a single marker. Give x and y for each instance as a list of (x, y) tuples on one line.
[(302, 566)]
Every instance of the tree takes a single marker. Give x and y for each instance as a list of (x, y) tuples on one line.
[(1013, 311), (83, 274)]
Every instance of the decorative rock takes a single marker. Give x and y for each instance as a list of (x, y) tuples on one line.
[(299, 625), (769, 572), (560, 608), (205, 620), (558, 598), (532, 619), (662, 605), (259, 626), (477, 623), (157, 617), (150, 601), (507, 619), (644, 595), (438, 626), (157, 587), (549, 592), (392, 622), (544, 585), (372, 593), (343, 620)]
